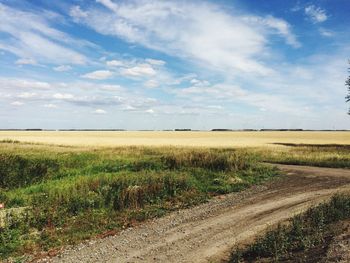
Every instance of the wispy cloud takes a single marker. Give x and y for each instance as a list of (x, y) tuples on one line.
[(62, 68), (200, 31), (26, 61), (31, 38), (326, 33), (316, 14)]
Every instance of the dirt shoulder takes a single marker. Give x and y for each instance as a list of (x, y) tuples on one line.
[(208, 232)]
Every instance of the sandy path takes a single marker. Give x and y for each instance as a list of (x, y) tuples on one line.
[(207, 233)]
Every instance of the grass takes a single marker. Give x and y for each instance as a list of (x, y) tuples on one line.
[(327, 155), (63, 195), (296, 240)]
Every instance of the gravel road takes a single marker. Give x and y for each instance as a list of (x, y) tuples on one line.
[(208, 232)]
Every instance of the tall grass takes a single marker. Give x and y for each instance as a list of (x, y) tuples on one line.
[(73, 193), (304, 232)]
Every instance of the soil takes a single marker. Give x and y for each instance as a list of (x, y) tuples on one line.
[(209, 232)]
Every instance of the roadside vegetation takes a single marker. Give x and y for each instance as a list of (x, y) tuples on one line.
[(304, 238), (324, 155), (56, 196)]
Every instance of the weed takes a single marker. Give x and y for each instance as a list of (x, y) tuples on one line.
[(303, 232)]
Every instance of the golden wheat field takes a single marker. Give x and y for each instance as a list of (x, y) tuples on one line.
[(177, 138)]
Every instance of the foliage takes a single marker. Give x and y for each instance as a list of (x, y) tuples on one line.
[(303, 232), (72, 194)]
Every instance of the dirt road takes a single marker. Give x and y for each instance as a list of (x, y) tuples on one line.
[(207, 233)]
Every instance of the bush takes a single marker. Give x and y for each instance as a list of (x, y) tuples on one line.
[(17, 171)]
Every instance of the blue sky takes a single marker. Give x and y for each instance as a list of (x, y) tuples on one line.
[(174, 64)]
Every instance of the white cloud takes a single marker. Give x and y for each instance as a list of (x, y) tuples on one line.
[(63, 96), (17, 103), (233, 94), (198, 31), (10, 83), (26, 61), (62, 68), (100, 111), (111, 87), (114, 63), (326, 33), (155, 62), (316, 14), (151, 83), (98, 75), (29, 35), (76, 13), (279, 25), (27, 95), (50, 105), (199, 83), (141, 70)]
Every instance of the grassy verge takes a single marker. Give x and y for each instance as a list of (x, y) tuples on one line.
[(303, 239), (56, 196), (328, 155)]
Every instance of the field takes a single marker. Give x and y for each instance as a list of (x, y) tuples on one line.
[(68, 194), (60, 188), (178, 138)]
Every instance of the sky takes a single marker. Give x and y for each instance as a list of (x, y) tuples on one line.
[(148, 64)]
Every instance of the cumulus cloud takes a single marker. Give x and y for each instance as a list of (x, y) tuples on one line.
[(98, 75), (315, 14), (141, 70), (114, 63)]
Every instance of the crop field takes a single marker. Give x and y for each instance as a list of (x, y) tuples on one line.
[(60, 188), (177, 138)]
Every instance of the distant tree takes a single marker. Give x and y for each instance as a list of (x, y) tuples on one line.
[(347, 84)]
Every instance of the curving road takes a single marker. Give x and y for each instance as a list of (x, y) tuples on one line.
[(208, 232)]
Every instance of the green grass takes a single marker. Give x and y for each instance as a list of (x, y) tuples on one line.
[(67, 194), (292, 242), (328, 155)]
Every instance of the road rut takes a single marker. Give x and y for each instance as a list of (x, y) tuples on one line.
[(208, 232)]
